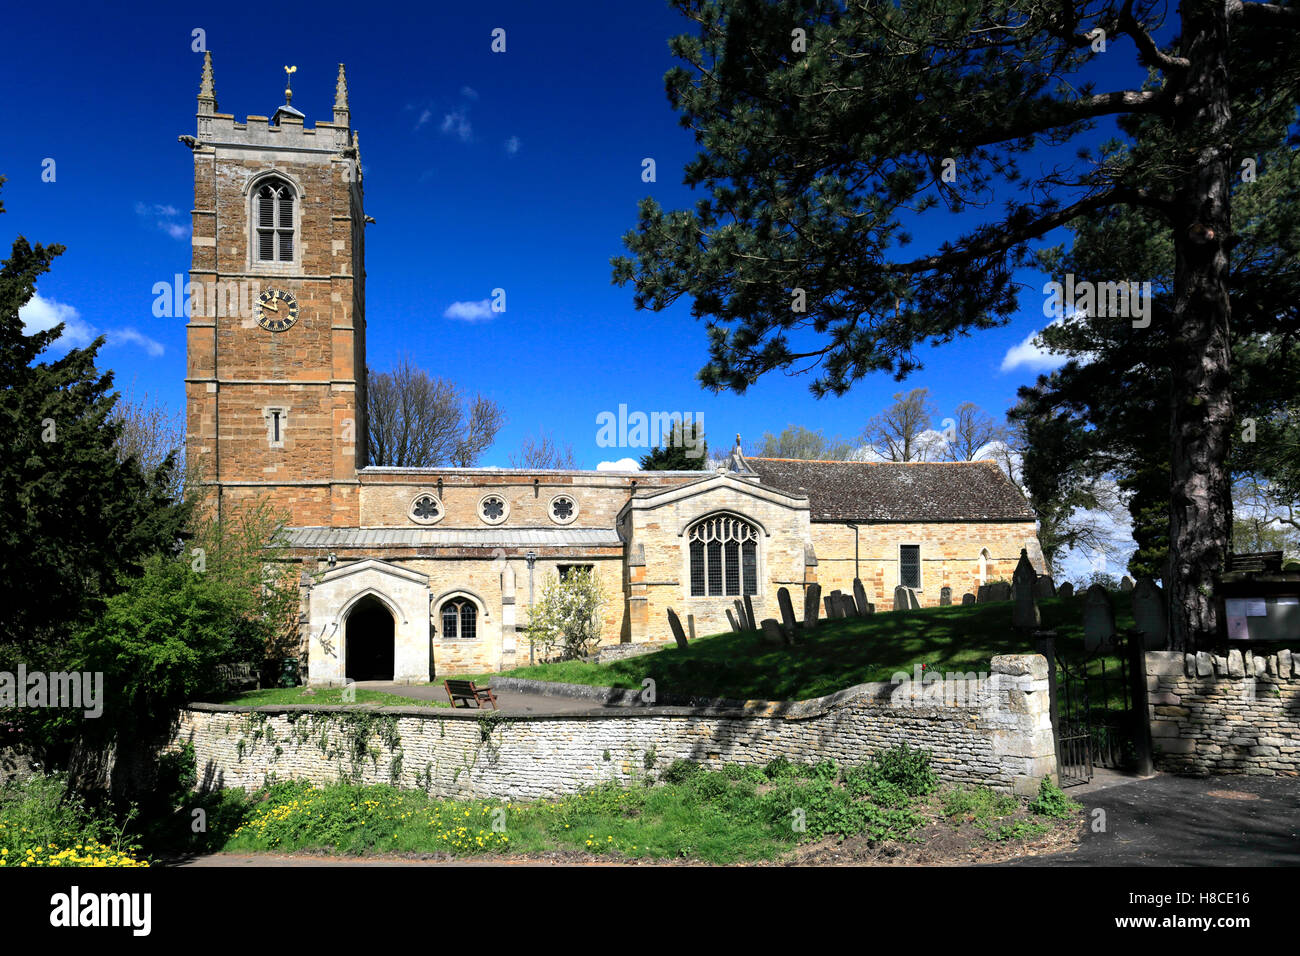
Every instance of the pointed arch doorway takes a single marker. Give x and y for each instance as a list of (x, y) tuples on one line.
[(369, 640)]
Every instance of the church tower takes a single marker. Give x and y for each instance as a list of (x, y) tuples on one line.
[(276, 338)]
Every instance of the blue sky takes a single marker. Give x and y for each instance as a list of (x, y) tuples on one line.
[(518, 171)]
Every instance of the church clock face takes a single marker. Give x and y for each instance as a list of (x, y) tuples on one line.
[(276, 310)]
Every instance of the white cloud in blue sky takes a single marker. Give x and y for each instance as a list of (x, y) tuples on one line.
[(479, 311), (41, 315), (512, 145)]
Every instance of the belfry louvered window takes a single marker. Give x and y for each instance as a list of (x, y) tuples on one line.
[(273, 215), (724, 557)]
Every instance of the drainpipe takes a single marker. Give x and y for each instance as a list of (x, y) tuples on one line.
[(857, 571), (532, 560)]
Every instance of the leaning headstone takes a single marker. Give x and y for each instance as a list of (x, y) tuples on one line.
[(1149, 614), (945, 597), (1126, 584), (812, 604), (913, 600), (1045, 587), (749, 612), (837, 604), (678, 634), (731, 619), (830, 606), (982, 597), (787, 611), (901, 602), (967, 599), (772, 631), (1098, 620), (745, 623), (860, 597), (1066, 590), (690, 625), (1025, 616)]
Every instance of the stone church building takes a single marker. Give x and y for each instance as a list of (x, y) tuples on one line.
[(414, 573)]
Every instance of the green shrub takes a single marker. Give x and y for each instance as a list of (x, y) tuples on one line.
[(903, 767), (826, 770), (979, 802), (825, 809), (778, 768), (1052, 801), (679, 771)]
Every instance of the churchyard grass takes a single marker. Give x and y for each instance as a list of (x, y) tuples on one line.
[(272, 696), (838, 654)]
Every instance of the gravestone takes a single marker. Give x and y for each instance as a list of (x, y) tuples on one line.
[(1066, 590), (900, 599), (731, 619), (830, 606), (1149, 614), (690, 625), (1001, 591), (1098, 620), (837, 604), (745, 623), (787, 611), (772, 631), (1045, 587), (850, 606), (967, 599), (871, 609), (945, 597), (982, 597), (678, 634), (1126, 584), (913, 599), (1025, 616), (860, 597), (749, 612), (812, 604)]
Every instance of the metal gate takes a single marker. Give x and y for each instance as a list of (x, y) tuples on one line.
[(1092, 710)]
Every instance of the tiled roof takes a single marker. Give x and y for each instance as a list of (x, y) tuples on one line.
[(897, 491), (451, 537)]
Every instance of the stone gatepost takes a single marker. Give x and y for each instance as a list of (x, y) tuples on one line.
[(1022, 738)]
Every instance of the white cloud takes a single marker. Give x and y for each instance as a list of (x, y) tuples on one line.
[(41, 315), (623, 464), (512, 145), (1032, 355), (469, 92), (479, 311), (131, 336), (163, 216), (425, 116), (456, 123)]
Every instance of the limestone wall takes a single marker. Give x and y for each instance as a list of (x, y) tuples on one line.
[(949, 556), (1235, 713), (1000, 737)]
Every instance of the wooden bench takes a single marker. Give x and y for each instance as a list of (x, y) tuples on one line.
[(466, 691), (240, 674)]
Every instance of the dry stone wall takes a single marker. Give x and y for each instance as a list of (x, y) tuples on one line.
[(1000, 737), (1233, 713)]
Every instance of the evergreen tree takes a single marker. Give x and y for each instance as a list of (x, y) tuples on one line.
[(828, 128), (73, 515), (682, 449)]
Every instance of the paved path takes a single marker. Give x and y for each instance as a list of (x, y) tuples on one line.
[(1187, 821), (508, 701)]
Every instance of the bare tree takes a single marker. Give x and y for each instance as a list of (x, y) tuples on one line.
[(795, 441), (899, 432), (149, 433), (972, 431), (543, 453), (417, 420)]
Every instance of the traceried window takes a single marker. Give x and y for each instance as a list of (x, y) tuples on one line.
[(493, 509), (564, 508), (273, 222), (724, 557), (459, 620), (566, 569), (909, 565), (426, 509)]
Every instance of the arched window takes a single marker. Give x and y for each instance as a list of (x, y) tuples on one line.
[(984, 566), (459, 620), (273, 222), (724, 557)]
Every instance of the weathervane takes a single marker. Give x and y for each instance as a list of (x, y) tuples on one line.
[(289, 71)]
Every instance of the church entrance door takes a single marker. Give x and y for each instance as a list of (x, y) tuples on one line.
[(369, 641)]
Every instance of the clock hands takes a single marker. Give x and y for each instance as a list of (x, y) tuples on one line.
[(268, 305)]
